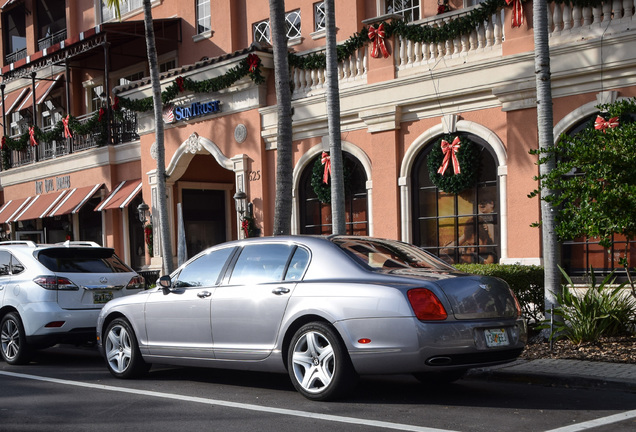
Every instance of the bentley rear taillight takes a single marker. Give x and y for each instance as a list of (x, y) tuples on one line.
[(426, 305)]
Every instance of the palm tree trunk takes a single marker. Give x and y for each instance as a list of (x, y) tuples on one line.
[(283, 202), (551, 252), (333, 119), (166, 244)]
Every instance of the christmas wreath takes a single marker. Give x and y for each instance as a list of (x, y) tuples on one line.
[(453, 163), (322, 189)]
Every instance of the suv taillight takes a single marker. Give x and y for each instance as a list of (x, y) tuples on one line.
[(55, 283), (426, 305), (138, 282)]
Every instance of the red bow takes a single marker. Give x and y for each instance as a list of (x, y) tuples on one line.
[(101, 114), (252, 62), (377, 36), (246, 227), (32, 136), (3, 142), (450, 151), (116, 103), (602, 124), (326, 161), (180, 83), (517, 12), (67, 131)]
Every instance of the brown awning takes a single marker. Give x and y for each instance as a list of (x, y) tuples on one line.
[(121, 196), (74, 200), (42, 90), (11, 208), (39, 206), (12, 99)]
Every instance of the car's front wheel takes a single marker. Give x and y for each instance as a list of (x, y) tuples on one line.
[(318, 363), (121, 351), (15, 349)]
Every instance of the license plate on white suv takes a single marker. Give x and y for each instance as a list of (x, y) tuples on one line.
[(102, 297), (496, 337)]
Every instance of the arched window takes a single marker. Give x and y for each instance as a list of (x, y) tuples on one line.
[(459, 228), (580, 255), (315, 216)]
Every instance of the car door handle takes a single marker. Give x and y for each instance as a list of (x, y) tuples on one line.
[(280, 291), (204, 294)]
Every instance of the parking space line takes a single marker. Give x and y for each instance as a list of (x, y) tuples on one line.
[(597, 422), (243, 406)]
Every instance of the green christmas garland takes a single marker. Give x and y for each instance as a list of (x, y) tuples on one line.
[(468, 157)]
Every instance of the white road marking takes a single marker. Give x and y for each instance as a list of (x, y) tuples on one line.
[(271, 410), (597, 422)]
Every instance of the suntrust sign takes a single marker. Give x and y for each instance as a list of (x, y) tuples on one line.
[(197, 109)]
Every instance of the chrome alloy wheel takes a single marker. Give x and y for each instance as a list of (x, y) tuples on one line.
[(10, 337), (313, 362), (118, 349)]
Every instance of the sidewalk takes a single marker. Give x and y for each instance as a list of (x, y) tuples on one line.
[(571, 373)]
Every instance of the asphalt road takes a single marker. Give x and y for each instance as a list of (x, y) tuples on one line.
[(70, 389)]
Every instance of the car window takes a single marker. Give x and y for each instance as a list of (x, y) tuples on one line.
[(205, 270), (82, 260), (5, 263), (16, 266), (297, 265), (261, 263)]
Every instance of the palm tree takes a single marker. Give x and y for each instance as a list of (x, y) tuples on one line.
[(333, 119), (283, 202), (166, 245), (551, 252)]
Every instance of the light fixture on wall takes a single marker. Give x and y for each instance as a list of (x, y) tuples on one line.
[(143, 211), (240, 197)]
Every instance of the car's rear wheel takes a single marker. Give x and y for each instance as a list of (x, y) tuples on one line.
[(121, 351), (440, 377), (15, 349), (318, 363)]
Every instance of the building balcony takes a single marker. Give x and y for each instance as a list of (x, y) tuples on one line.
[(51, 40)]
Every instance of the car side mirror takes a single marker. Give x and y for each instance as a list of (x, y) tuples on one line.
[(165, 283)]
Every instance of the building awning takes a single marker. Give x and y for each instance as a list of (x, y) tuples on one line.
[(123, 194), (39, 206), (27, 100), (74, 200), (8, 3), (12, 208), (42, 90), (12, 99)]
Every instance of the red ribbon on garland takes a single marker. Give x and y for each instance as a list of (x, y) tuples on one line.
[(32, 140), (377, 36), (67, 131), (252, 62), (517, 12), (450, 152), (246, 227), (3, 143), (116, 103), (326, 161), (602, 124), (101, 114), (180, 83)]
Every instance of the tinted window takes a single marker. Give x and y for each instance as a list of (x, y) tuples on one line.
[(205, 270), (261, 263), (16, 266), (297, 265), (82, 260), (5, 263)]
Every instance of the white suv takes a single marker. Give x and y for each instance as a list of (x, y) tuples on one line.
[(52, 294)]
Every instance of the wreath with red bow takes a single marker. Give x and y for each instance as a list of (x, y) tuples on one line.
[(468, 157), (322, 189)]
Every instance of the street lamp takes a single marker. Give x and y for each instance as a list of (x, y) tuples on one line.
[(143, 211), (240, 197)]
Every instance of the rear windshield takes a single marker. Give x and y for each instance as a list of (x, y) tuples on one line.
[(82, 260), (389, 254)]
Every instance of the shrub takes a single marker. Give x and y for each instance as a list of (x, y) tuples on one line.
[(603, 310), (525, 281)]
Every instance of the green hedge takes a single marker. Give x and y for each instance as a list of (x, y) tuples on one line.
[(526, 282)]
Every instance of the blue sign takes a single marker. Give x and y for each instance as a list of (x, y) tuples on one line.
[(197, 109)]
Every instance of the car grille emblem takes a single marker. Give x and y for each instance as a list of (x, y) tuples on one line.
[(103, 280)]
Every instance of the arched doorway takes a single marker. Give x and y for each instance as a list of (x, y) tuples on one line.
[(463, 227), (315, 216)]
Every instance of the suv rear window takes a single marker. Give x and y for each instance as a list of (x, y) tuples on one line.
[(82, 260)]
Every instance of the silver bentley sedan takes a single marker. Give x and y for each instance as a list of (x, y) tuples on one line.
[(322, 309)]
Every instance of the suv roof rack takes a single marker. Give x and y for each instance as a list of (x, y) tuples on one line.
[(28, 243), (68, 243)]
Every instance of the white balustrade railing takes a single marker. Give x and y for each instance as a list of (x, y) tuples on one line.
[(567, 19), (353, 69)]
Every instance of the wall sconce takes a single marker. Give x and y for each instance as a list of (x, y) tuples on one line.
[(143, 211), (240, 197)]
